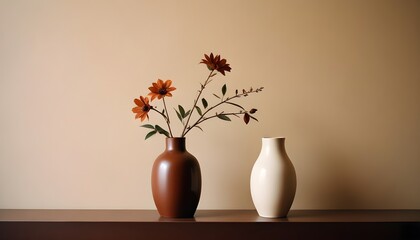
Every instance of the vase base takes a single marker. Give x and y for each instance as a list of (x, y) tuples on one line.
[(273, 216), (172, 217)]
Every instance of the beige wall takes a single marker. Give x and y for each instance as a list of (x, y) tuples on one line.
[(341, 78)]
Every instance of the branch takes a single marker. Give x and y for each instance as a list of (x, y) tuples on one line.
[(227, 100), (203, 86)]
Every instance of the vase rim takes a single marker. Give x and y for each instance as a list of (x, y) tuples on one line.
[(280, 137)]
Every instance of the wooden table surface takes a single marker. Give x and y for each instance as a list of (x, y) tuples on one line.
[(208, 216), (208, 224)]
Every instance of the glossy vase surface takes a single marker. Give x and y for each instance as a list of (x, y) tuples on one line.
[(176, 181), (273, 179)]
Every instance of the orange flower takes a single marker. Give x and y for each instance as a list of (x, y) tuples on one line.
[(215, 63), (142, 108), (161, 89)]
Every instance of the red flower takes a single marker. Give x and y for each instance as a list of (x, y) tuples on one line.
[(161, 89), (216, 63), (142, 108)]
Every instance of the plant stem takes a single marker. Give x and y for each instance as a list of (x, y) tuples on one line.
[(207, 118), (167, 118), (184, 131), (164, 116), (202, 118)]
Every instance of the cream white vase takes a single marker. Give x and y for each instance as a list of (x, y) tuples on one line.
[(273, 179)]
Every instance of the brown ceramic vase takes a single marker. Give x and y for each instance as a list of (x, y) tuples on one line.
[(176, 181)]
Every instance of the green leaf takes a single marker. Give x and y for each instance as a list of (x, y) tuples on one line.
[(199, 128), (205, 104), (253, 118), (216, 96), (224, 89), (182, 111), (150, 134), (148, 126), (162, 131), (159, 128), (246, 118), (179, 115), (199, 110), (223, 117), (236, 105), (187, 113)]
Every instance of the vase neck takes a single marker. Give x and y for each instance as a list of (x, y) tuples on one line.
[(273, 144), (177, 144)]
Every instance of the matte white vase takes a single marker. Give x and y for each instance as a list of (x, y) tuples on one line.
[(273, 180)]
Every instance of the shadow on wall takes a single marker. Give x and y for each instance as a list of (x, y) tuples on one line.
[(342, 187)]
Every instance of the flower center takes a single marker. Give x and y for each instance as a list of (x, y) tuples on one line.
[(163, 91), (145, 108)]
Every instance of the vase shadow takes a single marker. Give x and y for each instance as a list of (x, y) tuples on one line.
[(342, 191), (166, 219)]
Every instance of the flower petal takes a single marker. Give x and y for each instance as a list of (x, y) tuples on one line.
[(138, 102), (153, 95), (152, 89), (143, 116), (137, 109), (168, 83), (144, 100)]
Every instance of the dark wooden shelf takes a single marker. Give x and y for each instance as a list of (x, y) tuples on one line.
[(209, 224)]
